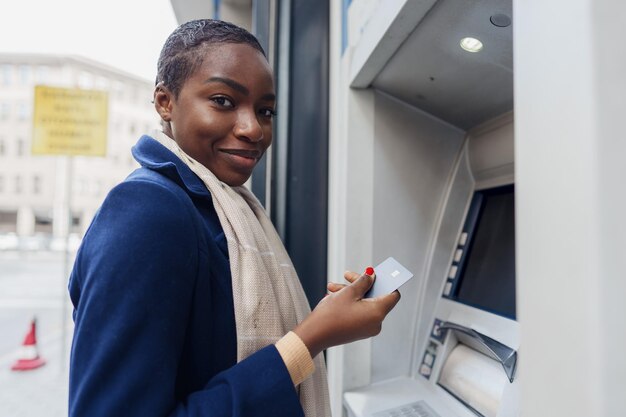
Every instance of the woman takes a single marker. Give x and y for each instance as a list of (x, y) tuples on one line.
[(186, 303)]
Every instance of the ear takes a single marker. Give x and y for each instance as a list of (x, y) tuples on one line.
[(163, 101)]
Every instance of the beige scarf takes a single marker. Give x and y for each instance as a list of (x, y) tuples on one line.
[(269, 300)]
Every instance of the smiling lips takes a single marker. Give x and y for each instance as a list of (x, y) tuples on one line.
[(242, 157), (252, 154)]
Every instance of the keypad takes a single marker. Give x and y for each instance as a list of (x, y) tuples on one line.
[(417, 409)]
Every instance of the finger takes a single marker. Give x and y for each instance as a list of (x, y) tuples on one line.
[(351, 276), (334, 287), (362, 285), (389, 301)]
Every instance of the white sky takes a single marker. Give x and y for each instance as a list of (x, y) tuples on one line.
[(125, 34)]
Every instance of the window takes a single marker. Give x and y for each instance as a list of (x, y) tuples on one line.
[(36, 184), (18, 185), (135, 95), (5, 111), (5, 74), (24, 73), (118, 88), (85, 80), (42, 74), (43, 222), (21, 147), (83, 186), (98, 187), (23, 111), (102, 83)]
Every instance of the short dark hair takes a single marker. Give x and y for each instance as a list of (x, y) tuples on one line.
[(181, 54)]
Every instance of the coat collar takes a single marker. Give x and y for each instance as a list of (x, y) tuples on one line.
[(152, 155)]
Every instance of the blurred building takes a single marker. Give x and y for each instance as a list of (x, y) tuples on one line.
[(32, 188)]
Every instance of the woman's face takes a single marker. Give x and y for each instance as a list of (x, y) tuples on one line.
[(223, 114)]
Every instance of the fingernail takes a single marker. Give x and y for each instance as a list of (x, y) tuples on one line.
[(369, 271)]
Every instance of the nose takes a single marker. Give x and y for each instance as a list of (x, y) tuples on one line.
[(248, 127)]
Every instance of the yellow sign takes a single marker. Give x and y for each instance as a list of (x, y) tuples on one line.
[(70, 122)]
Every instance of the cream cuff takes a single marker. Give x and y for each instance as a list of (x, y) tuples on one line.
[(296, 356)]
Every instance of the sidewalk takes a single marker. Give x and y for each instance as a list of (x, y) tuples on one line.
[(38, 393)]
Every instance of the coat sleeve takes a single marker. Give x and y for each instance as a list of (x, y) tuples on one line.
[(132, 286)]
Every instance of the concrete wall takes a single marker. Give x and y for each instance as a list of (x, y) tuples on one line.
[(571, 205)]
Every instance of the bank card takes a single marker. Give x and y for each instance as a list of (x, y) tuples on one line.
[(390, 275)]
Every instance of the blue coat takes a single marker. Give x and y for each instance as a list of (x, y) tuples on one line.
[(153, 307)]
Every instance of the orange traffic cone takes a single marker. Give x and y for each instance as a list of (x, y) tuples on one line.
[(29, 357)]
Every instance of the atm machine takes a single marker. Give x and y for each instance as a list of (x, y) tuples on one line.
[(434, 122)]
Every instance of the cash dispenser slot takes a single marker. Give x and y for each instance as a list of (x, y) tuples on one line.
[(505, 355), (472, 370)]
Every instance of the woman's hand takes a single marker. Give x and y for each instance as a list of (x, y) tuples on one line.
[(348, 275), (344, 315)]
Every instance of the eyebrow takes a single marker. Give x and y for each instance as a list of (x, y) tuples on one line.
[(231, 83), (238, 87), (268, 97)]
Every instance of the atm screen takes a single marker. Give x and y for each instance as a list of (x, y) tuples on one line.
[(487, 275)]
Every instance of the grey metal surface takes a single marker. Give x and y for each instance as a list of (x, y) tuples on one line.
[(306, 203), (261, 29), (433, 73), (449, 223), (280, 146)]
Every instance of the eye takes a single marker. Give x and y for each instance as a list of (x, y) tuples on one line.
[(267, 113), (223, 101)]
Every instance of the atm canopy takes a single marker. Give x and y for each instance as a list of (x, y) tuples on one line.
[(416, 57)]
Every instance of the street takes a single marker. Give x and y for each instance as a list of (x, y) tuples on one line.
[(33, 284)]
